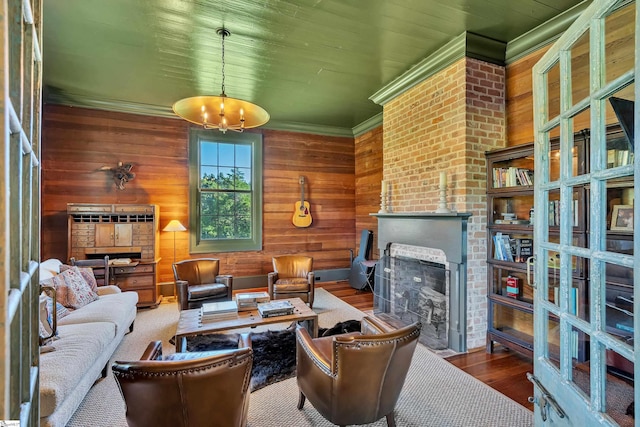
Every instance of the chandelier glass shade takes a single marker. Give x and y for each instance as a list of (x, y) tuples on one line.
[(221, 112)]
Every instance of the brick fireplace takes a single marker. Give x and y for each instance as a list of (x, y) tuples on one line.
[(445, 123)]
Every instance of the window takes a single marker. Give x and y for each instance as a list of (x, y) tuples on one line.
[(225, 181)]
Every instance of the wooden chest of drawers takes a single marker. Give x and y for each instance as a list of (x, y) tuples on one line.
[(140, 278)]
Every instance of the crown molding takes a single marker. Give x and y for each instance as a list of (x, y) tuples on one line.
[(441, 58), (308, 128), (160, 111), (367, 125), (543, 34), (110, 105), (465, 45)]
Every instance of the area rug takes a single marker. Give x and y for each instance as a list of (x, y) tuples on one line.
[(274, 351), (435, 393)]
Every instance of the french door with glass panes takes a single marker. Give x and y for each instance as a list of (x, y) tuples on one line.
[(586, 80)]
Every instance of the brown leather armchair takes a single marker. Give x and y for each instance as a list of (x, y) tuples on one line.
[(292, 277), (187, 389), (355, 378), (198, 281)]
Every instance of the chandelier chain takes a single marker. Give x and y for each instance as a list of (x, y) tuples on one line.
[(223, 34)]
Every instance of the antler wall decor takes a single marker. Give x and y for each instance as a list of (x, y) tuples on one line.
[(121, 174)]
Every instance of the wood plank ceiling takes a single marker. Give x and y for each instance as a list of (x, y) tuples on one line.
[(305, 61)]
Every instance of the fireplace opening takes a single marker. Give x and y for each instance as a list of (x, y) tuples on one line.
[(413, 238), (411, 289)]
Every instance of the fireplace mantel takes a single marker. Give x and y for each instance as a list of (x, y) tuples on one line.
[(444, 231), (422, 214)]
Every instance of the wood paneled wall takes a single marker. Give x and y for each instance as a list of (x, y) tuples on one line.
[(368, 179), (619, 56), (77, 142)]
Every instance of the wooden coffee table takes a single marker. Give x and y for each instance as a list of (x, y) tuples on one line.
[(190, 325)]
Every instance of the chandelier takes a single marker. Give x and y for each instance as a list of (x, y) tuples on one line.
[(221, 112)]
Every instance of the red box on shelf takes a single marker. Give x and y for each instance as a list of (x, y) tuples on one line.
[(513, 287)]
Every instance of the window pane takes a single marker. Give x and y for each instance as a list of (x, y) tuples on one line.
[(580, 69), (243, 179), (208, 228), (243, 156), (226, 152), (243, 227), (225, 202), (619, 35), (226, 178), (209, 153), (225, 227), (553, 90), (207, 204), (208, 177)]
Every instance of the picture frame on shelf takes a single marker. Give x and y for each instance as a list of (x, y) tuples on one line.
[(622, 218)]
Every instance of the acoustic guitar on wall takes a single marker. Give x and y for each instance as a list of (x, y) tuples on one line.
[(302, 212)]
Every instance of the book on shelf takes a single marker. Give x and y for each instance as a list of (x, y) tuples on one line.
[(627, 327), (554, 212), (512, 221), (249, 300), (275, 308), (504, 248), (497, 247), (508, 248), (617, 157), (524, 249), (512, 177)]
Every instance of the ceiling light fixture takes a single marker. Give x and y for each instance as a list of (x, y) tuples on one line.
[(221, 112)]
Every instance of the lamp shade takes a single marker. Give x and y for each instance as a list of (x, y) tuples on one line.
[(174, 225)]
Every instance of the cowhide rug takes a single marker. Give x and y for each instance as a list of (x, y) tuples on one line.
[(274, 352)]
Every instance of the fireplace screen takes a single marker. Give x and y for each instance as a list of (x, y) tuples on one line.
[(409, 290)]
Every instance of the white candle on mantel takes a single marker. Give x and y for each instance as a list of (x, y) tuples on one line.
[(443, 179), (384, 187)]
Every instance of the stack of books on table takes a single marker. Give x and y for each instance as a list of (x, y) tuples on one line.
[(248, 301), (275, 308), (213, 311)]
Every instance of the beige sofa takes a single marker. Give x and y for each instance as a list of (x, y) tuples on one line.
[(87, 338)]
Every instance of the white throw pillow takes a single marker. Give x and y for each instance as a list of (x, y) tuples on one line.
[(49, 268)]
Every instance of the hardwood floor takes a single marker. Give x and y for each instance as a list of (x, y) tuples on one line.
[(503, 370)]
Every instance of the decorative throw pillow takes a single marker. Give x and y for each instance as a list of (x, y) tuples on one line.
[(87, 274), (61, 311), (72, 290), (46, 321)]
